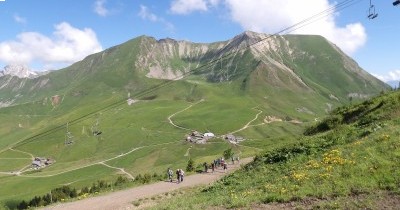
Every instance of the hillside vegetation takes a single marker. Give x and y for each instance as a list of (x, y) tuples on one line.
[(350, 160)]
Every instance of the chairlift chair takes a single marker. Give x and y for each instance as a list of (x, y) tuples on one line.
[(397, 2), (371, 11)]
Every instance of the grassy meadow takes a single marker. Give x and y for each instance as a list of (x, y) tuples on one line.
[(349, 160)]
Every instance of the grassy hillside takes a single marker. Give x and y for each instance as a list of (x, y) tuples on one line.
[(349, 160), (137, 137), (236, 94)]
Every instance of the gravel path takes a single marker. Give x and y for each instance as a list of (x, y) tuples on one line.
[(123, 199)]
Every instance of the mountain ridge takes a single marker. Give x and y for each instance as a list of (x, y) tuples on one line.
[(285, 58)]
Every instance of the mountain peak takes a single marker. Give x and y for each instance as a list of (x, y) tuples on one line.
[(167, 40), (20, 71), (250, 36)]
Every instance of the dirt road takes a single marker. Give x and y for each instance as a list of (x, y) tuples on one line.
[(123, 199)]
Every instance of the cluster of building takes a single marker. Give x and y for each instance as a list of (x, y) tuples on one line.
[(233, 139), (199, 138), (41, 162)]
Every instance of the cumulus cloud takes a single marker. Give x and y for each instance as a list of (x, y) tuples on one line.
[(271, 16), (263, 16), (391, 76), (100, 9), (66, 46), (19, 19), (145, 14), (184, 7)]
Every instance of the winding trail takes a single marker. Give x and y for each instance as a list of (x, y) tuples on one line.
[(248, 124), (30, 154), (122, 200), (177, 126), (97, 163), (18, 173), (187, 151), (121, 169)]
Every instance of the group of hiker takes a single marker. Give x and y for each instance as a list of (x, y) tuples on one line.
[(179, 175), (215, 164), (220, 162)]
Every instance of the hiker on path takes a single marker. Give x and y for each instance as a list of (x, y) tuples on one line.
[(233, 160), (178, 176), (205, 167), (213, 166), (181, 174), (237, 159), (225, 167), (170, 173)]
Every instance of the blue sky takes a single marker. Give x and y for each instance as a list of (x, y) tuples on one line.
[(49, 34)]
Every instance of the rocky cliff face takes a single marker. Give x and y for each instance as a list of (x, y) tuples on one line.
[(283, 58)]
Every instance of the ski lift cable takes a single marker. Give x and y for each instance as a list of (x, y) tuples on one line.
[(335, 8)]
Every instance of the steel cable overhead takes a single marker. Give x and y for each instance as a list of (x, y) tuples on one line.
[(331, 10)]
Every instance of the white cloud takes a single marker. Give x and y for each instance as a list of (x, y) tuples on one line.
[(145, 14), (391, 76), (66, 46), (184, 7), (19, 19), (100, 9), (263, 16)]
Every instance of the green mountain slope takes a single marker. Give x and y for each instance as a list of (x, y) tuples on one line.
[(350, 160), (146, 95)]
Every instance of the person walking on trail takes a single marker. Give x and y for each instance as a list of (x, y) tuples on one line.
[(233, 160), (225, 167), (181, 174), (213, 166), (170, 173), (205, 167), (178, 176)]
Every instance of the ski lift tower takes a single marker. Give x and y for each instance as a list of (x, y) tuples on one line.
[(95, 128), (68, 137)]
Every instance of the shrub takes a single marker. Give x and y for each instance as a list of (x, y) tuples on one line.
[(228, 153), (22, 205), (146, 178), (121, 180), (190, 165)]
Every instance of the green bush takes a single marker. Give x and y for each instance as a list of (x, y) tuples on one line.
[(190, 165)]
